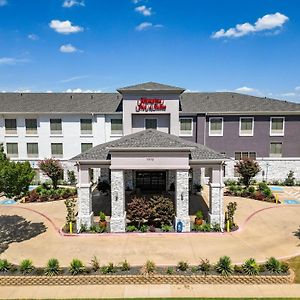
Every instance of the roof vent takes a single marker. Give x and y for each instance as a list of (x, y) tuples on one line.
[(21, 94), (232, 96), (92, 96), (71, 96), (207, 97)]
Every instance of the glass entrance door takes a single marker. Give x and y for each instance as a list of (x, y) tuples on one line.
[(151, 180)]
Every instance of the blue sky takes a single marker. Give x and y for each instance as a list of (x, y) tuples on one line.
[(100, 45)]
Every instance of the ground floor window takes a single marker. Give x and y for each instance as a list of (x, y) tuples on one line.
[(275, 149), (151, 181), (244, 155)]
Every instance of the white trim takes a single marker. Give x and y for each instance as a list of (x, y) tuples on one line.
[(209, 131), (240, 127), (277, 134), (192, 127), (150, 118)]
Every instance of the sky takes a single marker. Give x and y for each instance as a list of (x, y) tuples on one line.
[(249, 46)]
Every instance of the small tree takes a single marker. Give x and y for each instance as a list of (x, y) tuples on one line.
[(70, 206), (53, 169), (71, 177), (138, 211), (290, 180), (3, 158), (247, 169), (229, 214), (15, 178)]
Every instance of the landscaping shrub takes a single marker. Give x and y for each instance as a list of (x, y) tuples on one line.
[(290, 180), (131, 228), (70, 206), (238, 269), (4, 265), (149, 268), (71, 177), (285, 267), (109, 269), (166, 228), (144, 228), (229, 215), (224, 266), (273, 265), (182, 266), (250, 267), (205, 266), (262, 186), (26, 266), (170, 271), (138, 211), (247, 169), (52, 267), (53, 169), (76, 267), (95, 264), (125, 266)]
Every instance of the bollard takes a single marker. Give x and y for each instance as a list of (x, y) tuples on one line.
[(227, 226), (71, 227)]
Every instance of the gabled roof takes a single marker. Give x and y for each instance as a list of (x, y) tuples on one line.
[(151, 86), (150, 139), (60, 102), (233, 102)]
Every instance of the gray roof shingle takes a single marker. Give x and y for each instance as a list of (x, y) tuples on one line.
[(149, 138), (151, 86), (233, 102)]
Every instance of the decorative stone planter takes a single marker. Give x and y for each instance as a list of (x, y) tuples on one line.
[(9, 280)]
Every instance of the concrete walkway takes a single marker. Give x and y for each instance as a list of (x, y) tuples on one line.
[(265, 230), (149, 291)]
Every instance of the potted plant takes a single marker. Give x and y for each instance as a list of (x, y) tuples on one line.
[(198, 188), (102, 221), (199, 218)]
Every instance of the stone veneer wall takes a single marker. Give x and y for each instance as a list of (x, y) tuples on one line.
[(273, 169)]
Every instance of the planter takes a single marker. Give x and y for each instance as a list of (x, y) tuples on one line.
[(102, 224), (10, 280), (198, 221)]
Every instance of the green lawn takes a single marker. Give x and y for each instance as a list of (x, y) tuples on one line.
[(295, 265)]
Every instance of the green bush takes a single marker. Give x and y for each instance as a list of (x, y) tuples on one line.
[(4, 265), (71, 177), (273, 265), (224, 266), (199, 214), (76, 267), (251, 189), (102, 216), (125, 266), (52, 267), (250, 267), (26, 266), (205, 266), (247, 168), (166, 228), (170, 271), (262, 186), (95, 264), (284, 267), (267, 192), (109, 269), (144, 228), (290, 180), (182, 266), (149, 267), (206, 227), (230, 182), (131, 228)]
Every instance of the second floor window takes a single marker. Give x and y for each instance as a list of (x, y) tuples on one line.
[(55, 126), (86, 146), (32, 150), (57, 150), (31, 126), (276, 149), (10, 126), (216, 126), (246, 126), (186, 126), (12, 149), (277, 126), (116, 126), (86, 126)]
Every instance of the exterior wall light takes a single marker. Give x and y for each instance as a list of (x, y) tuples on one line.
[(116, 196)]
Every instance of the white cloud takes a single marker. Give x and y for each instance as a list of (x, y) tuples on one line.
[(147, 25), (71, 3), (23, 91), (11, 60), (3, 2), (245, 89), (136, 1), (290, 94), (267, 22), (78, 90), (33, 37), (68, 48), (73, 78), (297, 88), (144, 10), (64, 27)]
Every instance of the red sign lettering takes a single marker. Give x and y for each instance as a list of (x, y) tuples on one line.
[(145, 104)]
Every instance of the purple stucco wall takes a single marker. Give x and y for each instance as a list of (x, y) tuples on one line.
[(231, 142)]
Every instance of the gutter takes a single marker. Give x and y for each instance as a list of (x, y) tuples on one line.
[(154, 149)]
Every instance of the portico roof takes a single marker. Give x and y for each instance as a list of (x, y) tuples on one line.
[(150, 140), (151, 86)]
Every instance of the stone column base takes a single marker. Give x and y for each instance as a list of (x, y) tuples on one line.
[(215, 219), (87, 220), (118, 224), (186, 222)]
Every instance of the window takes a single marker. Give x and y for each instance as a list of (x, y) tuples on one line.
[(55, 126), (186, 126), (86, 126), (246, 126), (31, 126), (275, 149), (32, 150), (116, 126), (10, 126), (277, 126), (86, 146), (244, 155), (151, 123), (12, 149), (57, 149), (216, 126)]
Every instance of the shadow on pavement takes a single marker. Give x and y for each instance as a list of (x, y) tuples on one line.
[(17, 229)]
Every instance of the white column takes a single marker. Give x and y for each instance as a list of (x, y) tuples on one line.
[(118, 214), (85, 213), (216, 198), (182, 199)]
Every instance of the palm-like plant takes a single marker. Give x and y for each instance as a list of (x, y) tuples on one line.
[(52, 267), (224, 266), (4, 265), (250, 267), (76, 267), (273, 265), (26, 266)]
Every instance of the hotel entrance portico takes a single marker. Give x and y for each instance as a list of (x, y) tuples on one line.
[(150, 154)]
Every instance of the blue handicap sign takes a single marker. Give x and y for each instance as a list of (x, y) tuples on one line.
[(179, 226)]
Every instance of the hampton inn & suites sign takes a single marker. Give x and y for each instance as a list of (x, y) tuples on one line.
[(145, 104)]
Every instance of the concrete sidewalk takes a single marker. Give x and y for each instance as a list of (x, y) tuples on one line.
[(149, 291)]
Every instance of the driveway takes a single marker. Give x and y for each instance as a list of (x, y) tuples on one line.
[(265, 230)]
